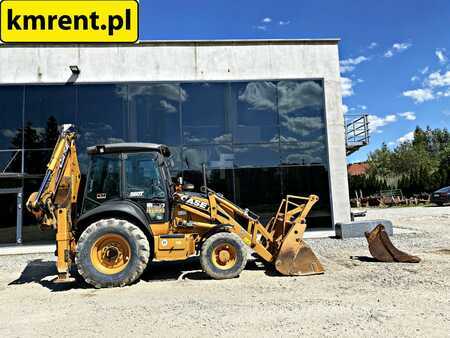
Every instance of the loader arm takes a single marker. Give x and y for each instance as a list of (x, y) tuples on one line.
[(54, 204), (279, 242)]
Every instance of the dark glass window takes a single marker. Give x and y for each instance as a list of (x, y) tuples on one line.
[(31, 232), (9, 214), (204, 113), (36, 161), (154, 114), (102, 114), (10, 182), (176, 157), (304, 153), (254, 105), (214, 156), (260, 140), (11, 102), (219, 180), (261, 155), (301, 110), (11, 161), (259, 189), (306, 180), (46, 108)]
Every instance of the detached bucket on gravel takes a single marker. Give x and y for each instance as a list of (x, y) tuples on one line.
[(382, 249)]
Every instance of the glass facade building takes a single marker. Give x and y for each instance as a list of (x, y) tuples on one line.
[(260, 140)]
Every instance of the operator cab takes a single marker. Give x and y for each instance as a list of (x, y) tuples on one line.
[(138, 172)]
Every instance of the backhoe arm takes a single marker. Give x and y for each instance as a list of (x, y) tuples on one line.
[(55, 202)]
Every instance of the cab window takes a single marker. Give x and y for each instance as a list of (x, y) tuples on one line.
[(104, 180), (143, 178)]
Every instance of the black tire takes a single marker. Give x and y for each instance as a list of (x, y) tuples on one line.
[(215, 241), (138, 258)]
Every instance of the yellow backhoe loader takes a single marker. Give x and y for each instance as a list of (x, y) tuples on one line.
[(133, 213)]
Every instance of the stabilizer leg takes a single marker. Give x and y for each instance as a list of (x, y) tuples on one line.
[(63, 246)]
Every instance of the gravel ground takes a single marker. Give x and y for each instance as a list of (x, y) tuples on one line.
[(355, 297)]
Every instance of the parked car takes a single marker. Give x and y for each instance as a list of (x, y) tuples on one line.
[(441, 196)]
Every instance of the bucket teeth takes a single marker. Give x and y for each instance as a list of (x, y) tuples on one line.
[(382, 249)]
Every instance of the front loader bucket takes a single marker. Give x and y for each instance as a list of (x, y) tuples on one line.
[(382, 249), (295, 257)]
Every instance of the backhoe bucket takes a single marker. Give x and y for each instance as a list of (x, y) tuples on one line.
[(382, 249), (295, 257)]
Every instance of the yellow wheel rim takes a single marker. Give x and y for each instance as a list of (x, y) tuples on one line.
[(224, 256), (110, 254)]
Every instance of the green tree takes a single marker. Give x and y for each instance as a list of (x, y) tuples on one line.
[(380, 162), (416, 166)]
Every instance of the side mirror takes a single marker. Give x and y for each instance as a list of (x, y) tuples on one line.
[(188, 187)]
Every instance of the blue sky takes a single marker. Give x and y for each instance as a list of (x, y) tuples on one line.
[(395, 55)]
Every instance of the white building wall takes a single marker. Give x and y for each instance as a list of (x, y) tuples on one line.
[(195, 61)]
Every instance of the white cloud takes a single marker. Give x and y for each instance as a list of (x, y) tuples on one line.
[(390, 118), (443, 93), (422, 71), (266, 20), (294, 96), (397, 48), (347, 86), (419, 95), (409, 115), (372, 45), (406, 138), (303, 125), (9, 133), (168, 91), (440, 54), (344, 108), (376, 122), (285, 139), (437, 79), (284, 23), (362, 106), (168, 107), (260, 95), (115, 140), (348, 65), (425, 70), (261, 27), (431, 84)]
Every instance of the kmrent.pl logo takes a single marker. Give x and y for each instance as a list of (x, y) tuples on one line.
[(69, 21)]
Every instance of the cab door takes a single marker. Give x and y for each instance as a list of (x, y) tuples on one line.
[(144, 183), (103, 183)]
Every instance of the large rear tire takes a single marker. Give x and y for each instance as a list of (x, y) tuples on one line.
[(111, 253), (223, 256)]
